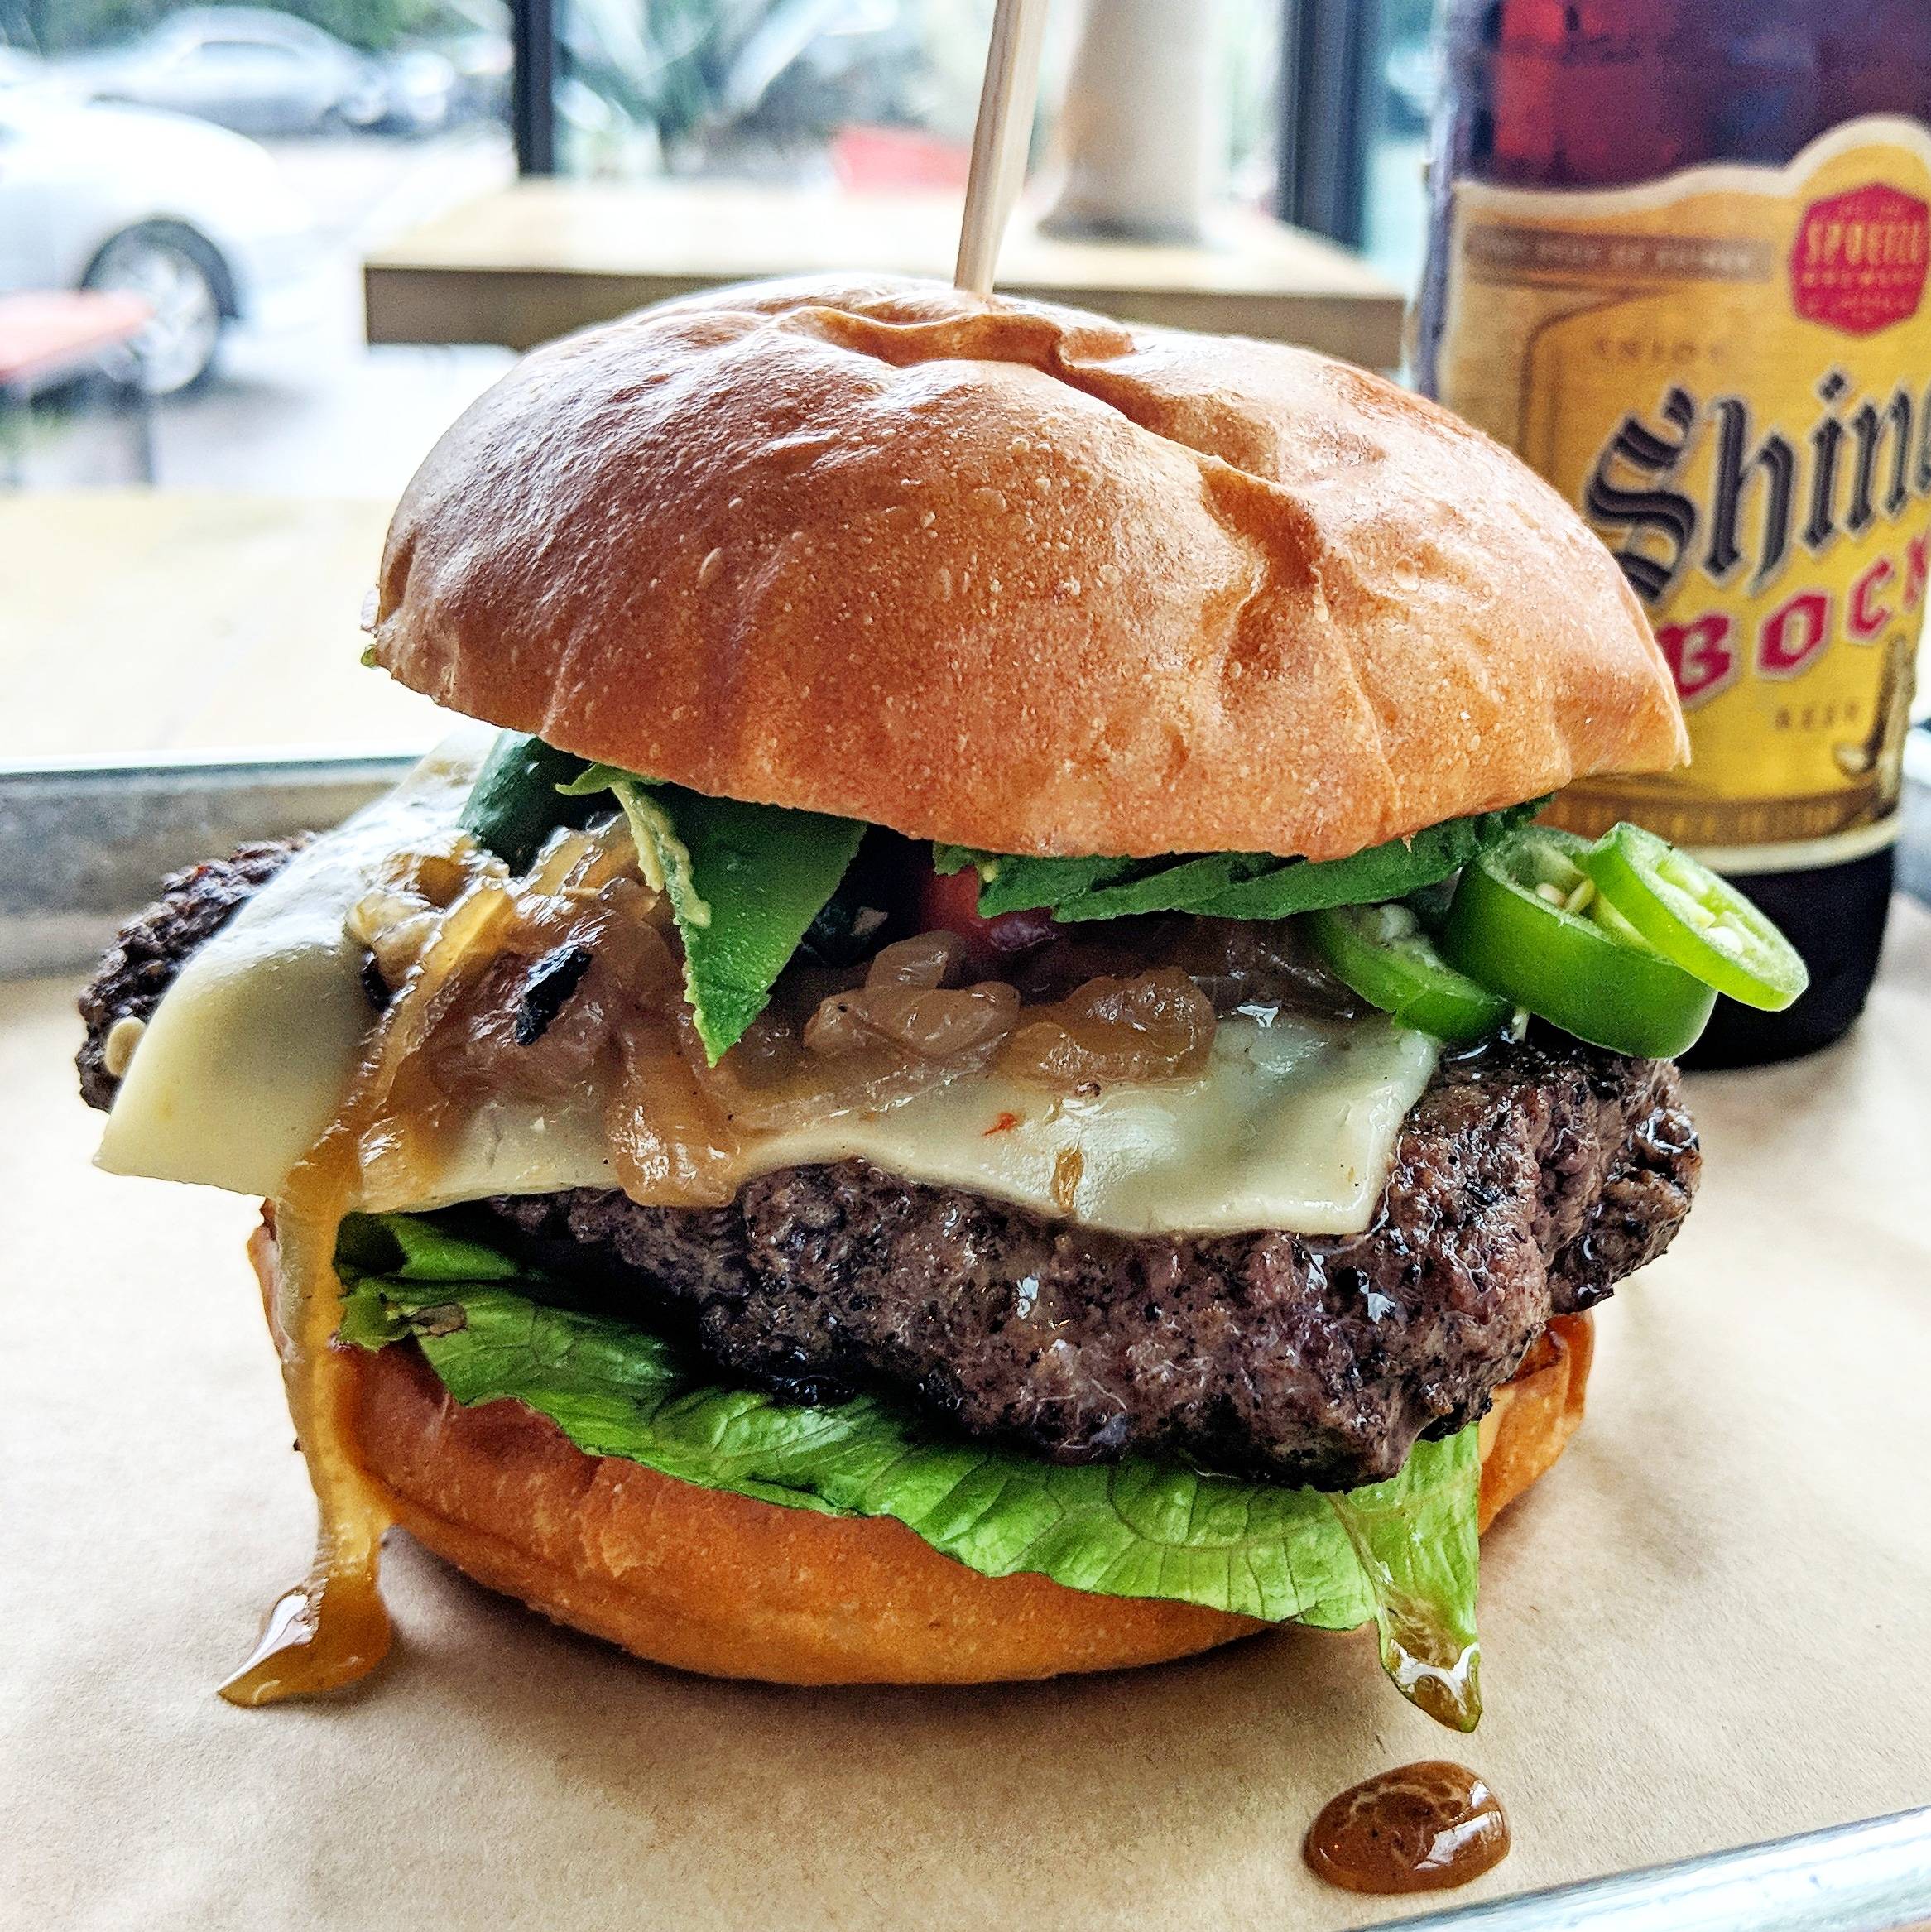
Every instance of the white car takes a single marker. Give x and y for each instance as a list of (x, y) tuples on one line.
[(196, 221), (260, 71)]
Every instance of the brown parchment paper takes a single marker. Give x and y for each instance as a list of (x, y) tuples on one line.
[(1710, 1625)]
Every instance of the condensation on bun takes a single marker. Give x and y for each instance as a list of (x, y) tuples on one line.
[(1016, 577)]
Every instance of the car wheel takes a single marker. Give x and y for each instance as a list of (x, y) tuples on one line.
[(175, 275)]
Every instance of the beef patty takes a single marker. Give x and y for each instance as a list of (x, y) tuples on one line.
[(1528, 1180), (141, 965)]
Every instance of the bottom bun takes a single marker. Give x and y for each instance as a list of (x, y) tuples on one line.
[(722, 1585)]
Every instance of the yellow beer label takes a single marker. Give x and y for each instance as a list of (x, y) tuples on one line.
[(1728, 373)]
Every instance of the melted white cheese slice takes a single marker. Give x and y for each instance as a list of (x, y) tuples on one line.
[(1292, 1125), (247, 1058)]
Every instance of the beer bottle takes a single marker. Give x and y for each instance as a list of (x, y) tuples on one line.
[(1678, 262)]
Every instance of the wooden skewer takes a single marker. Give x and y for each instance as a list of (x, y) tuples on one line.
[(1000, 138)]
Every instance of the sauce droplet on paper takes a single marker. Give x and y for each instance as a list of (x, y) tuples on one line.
[(327, 1632), (1424, 1828)]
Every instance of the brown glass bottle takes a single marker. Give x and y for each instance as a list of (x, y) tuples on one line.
[(1721, 347)]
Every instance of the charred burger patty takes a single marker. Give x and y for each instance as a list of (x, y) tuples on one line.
[(1528, 1180)]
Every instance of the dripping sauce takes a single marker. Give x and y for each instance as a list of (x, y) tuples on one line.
[(332, 1629)]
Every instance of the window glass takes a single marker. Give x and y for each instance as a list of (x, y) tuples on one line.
[(188, 573), (870, 94)]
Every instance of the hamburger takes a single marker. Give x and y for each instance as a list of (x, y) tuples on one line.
[(987, 1070)]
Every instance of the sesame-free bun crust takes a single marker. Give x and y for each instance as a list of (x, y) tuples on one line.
[(1016, 577), (735, 1587)]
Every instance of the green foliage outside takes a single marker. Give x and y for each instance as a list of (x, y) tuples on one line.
[(71, 27)]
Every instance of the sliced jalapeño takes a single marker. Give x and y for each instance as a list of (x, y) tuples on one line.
[(1695, 919), (1381, 953), (1528, 923)]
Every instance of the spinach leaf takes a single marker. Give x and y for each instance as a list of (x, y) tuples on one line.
[(1230, 885)]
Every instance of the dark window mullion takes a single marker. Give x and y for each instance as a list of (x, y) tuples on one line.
[(1329, 49), (533, 28)]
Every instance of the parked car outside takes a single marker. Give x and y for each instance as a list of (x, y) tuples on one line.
[(473, 36), (257, 71), (194, 219)]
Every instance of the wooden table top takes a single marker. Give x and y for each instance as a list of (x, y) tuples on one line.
[(533, 261)]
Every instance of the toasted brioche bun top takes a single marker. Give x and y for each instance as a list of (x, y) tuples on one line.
[(1016, 577)]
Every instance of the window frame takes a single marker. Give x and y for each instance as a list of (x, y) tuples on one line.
[(1331, 54), (535, 68)]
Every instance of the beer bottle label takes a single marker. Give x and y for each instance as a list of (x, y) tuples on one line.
[(1728, 371)]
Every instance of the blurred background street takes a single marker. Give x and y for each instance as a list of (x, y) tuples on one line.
[(199, 442), (300, 404), (231, 165)]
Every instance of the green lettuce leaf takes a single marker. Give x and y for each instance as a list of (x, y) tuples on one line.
[(745, 882), (1402, 1552), (1230, 885)]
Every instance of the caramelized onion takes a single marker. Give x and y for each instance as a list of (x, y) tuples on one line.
[(779, 1084), (579, 862), (402, 1105), (962, 1027), (494, 1020), (442, 872), (394, 928), (825, 1047), (400, 915), (1249, 964), (1158, 1025), (932, 960), (671, 1142), (487, 1053)]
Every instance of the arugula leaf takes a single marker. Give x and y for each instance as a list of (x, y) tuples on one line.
[(1401, 1552), (745, 882), (1018, 885), (1229, 885)]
